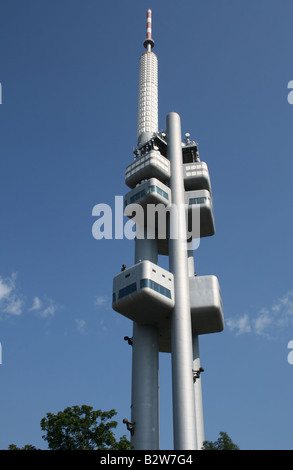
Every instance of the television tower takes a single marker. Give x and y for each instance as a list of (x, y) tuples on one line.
[(169, 308)]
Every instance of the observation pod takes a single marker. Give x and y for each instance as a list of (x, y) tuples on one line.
[(200, 200), (205, 307), (144, 293), (150, 165), (153, 197), (196, 176), (151, 191)]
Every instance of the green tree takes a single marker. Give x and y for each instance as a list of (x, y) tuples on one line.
[(26, 447), (224, 442), (82, 428)]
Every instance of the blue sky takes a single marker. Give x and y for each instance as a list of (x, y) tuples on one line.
[(69, 75)]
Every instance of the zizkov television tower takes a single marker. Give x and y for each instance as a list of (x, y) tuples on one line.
[(169, 308)]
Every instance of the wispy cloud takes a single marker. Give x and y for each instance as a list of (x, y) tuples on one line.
[(102, 301), (10, 300), (44, 308), (5, 289), (240, 325), (37, 304), (14, 306), (14, 303), (267, 320)]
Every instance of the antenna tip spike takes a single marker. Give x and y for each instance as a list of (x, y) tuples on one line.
[(149, 42)]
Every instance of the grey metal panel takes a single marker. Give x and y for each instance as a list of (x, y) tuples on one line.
[(206, 305)]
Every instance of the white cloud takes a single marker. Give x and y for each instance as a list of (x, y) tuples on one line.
[(267, 320), (101, 301), (37, 304), (5, 289), (14, 306), (10, 301), (240, 325), (44, 308), (262, 321), (48, 311)]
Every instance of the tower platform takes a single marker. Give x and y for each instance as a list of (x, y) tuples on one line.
[(144, 293), (150, 165), (151, 191), (196, 176), (206, 310), (200, 200)]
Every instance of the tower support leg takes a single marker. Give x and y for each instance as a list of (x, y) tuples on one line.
[(184, 420), (145, 388), (198, 395), (145, 370), (196, 366)]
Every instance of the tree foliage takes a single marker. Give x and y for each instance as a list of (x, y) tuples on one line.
[(224, 442), (25, 447), (82, 428)]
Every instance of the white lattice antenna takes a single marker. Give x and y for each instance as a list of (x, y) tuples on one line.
[(147, 123)]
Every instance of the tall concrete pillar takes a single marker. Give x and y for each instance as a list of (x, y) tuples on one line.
[(184, 418)]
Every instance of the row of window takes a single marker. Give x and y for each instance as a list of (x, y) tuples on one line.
[(196, 166), (126, 290), (143, 283), (198, 200), (158, 190), (196, 173), (137, 165), (156, 287), (149, 190), (137, 196)]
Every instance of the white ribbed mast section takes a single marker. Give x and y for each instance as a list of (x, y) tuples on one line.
[(147, 123)]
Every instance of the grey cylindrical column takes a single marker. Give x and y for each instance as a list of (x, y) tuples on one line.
[(196, 365), (198, 395), (184, 418), (145, 388), (145, 370)]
